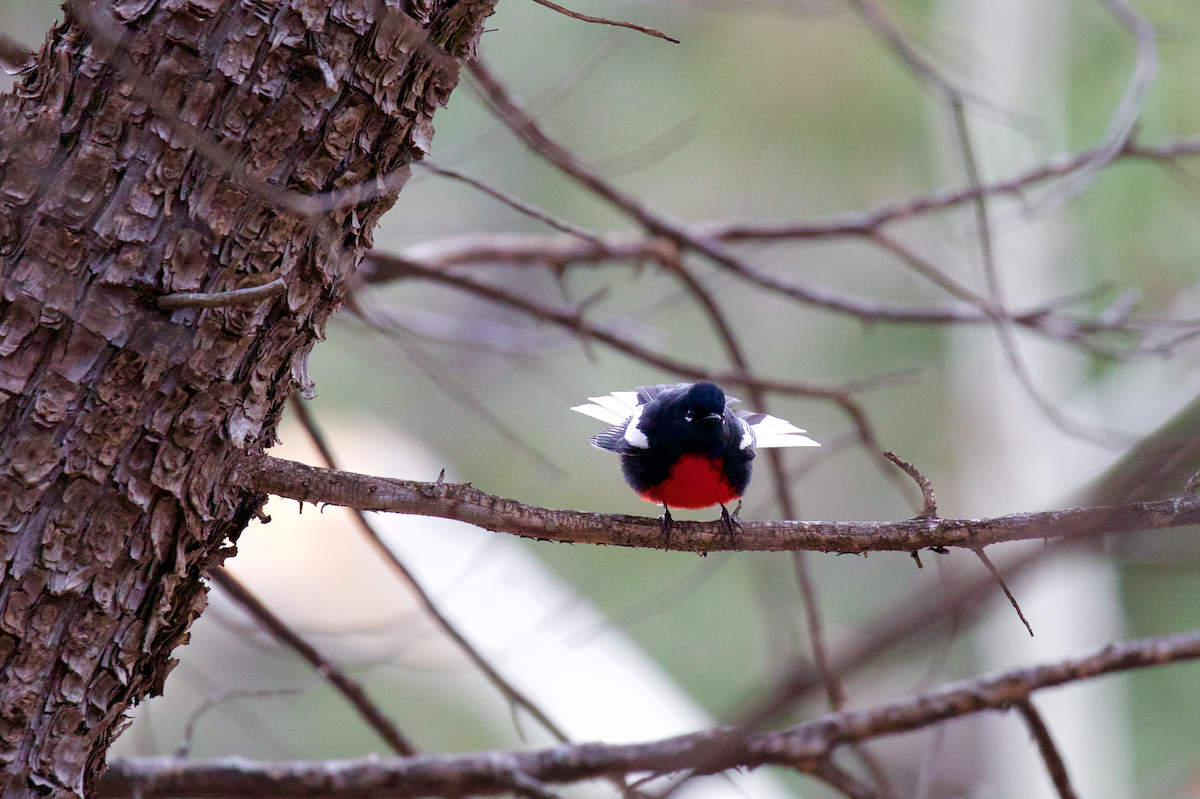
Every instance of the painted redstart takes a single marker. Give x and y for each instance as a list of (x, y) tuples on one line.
[(683, 446)]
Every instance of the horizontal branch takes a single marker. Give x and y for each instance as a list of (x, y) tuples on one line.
[(464, 503), (805, 746)]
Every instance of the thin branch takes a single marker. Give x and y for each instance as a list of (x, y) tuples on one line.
[(808, 591), (508, 110), (603, 21), (468, 504), (445, 380), (251, 295), (370, 712), (911, 620), (933, 274), (184, 748), (862, 223), (574, 321), (511, 692), (1122, 123), (1050, 754), (834, 692), (991, 567), (517, 204), (928, 500), (1003, 328), (806, 747), (556, 251)]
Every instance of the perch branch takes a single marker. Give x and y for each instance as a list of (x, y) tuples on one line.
[(468, 504)]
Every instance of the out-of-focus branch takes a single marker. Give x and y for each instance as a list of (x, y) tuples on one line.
[(602, 21), (14, 56), (1055, 765), (510, 691), (508, 109), (806, 747), (559, 251), (585, 330), (468, 504), (371, 713)]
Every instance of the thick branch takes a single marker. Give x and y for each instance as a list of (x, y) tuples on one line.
[(805, 747), (462, 502)]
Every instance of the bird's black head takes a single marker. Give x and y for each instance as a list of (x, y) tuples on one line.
[(704, 404), (689, 418)]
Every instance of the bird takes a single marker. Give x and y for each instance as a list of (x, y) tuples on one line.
[(684, 446)]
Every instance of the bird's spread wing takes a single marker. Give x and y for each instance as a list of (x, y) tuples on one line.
[(615, 408), (621, 409), (771, 431), (611, 439)]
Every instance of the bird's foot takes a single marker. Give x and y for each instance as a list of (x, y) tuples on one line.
[(730, 520), (666, 523)]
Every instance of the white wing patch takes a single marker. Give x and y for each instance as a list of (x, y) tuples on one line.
[(771, 431), (747, 435), (633, 434), (613, 408)]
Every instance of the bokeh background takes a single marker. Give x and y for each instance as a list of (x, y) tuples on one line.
[(764, 111)]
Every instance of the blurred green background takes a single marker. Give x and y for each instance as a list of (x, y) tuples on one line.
[(769, 111)]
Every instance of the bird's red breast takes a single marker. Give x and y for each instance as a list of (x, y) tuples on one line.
[(695, 481)]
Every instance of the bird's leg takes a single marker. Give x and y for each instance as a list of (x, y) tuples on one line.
[(666, 522), (730, 520)]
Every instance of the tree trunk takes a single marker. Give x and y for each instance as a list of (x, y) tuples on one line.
[(139, 159)]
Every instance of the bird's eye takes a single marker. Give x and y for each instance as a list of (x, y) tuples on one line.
[(689, 417)]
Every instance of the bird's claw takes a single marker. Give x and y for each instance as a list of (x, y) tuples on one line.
[(730, 520), (666, 523)]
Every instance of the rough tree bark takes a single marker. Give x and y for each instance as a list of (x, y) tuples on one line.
[(135, 161)]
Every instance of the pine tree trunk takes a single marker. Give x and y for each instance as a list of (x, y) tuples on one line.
[(135, 162)]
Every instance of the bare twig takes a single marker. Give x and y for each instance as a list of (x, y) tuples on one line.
[(451, 386), (603, 21), (574, 321), (1004, 586), (184, 748), (928, 500), (376, 718), (1003, 328), (816, 635), (252, 295), (515, 203)]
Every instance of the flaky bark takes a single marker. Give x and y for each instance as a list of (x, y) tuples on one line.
[(138, 159)]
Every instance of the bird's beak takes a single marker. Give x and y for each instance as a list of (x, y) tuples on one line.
[(715, 417)]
